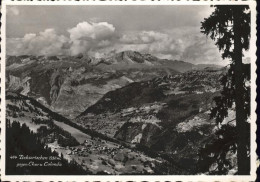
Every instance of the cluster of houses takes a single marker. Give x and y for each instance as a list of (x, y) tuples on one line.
[(89, 146)]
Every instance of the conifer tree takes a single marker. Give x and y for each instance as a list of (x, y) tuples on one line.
[(229, 27)]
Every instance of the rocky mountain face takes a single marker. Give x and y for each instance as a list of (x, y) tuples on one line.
[(169, 115), (70, 84)]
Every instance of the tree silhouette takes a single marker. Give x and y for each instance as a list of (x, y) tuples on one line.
[(21, 141), (229, 26)]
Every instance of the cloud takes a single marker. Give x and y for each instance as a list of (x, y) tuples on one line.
[(13, 10), (144, 37), (86, 36), (45, 43), (98, 31), (101, 39), (186, 44), (159, 44), (82, 38), (202, 50)]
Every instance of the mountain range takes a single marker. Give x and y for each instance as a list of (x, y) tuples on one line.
[(70, 84), (130, 113)]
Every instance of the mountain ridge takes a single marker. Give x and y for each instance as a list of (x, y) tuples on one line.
[(69, 84)]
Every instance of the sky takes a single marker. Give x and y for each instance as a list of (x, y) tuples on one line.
[(171, 32)]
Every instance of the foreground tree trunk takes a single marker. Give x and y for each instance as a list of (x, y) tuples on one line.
[(242, 160)]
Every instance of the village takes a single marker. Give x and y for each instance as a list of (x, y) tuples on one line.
[(100, 156)]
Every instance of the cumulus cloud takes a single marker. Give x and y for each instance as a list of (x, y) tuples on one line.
[(45, 43), (82, 38), (98, 31), (86, 36), (202, 50), (160, 44), (144, 37), (101, 39), (187, 45)]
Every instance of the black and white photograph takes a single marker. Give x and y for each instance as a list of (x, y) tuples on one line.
[(128, 89)]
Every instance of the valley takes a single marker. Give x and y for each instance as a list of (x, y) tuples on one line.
[(93, 153), (130, 113)]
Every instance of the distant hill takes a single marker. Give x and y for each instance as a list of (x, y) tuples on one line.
[(137, 93), (207, 66)]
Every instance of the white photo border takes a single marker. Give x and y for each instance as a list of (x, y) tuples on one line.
[(228, 178)]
